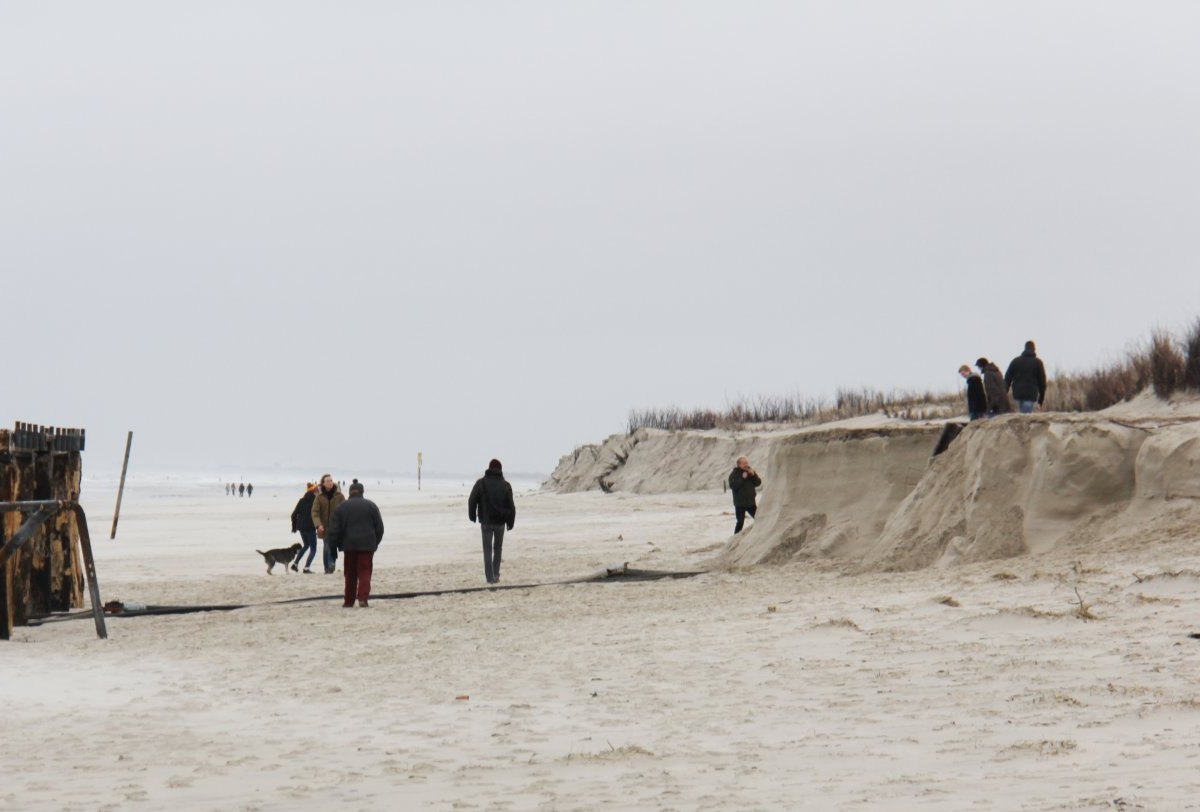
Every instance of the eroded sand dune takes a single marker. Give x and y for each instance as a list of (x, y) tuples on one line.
[(869, 494)]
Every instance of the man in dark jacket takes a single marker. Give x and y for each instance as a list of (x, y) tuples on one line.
[(993, 385), (303, 524), (976, 398), (491, 501), (742, 482), (356, 528), (1026, 376)]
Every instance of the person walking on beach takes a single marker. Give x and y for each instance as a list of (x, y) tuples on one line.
[(356, 528), (326, 502), (249, 491), (993, 386), (1026, 377), (241, 489), (302, 523), (742, 482), (491, 501), (977, 403)]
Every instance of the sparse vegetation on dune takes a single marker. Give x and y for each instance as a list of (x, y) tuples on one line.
[(797, 409), (1165, 363)]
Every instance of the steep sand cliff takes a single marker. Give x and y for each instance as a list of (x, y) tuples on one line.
[(869, 495)]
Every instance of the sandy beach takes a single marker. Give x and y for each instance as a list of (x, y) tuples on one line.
[(981, 686)]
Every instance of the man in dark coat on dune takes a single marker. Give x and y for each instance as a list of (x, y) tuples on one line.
[(743, 481), (491, 501), (1026, 376), (356, 528), (993, 385)]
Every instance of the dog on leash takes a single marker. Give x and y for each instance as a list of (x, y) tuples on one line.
[(281, 555)]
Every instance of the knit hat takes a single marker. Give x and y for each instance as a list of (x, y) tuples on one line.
[(356, 488), (494, 465)]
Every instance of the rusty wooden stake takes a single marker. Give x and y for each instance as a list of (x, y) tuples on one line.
[(121, 487)]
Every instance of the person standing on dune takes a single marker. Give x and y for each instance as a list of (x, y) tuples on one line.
[(743, 481), (976, 398), (1026, 376), (993, 385)]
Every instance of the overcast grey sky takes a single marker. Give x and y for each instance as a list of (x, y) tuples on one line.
[(334, 234)]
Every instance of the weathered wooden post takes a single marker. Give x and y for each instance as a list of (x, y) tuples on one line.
[(121, 487), (41, 568)]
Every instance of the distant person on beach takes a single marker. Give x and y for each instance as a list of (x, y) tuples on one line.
[(241, 490), (491, 501), (356, 528), (743, 482), (993, 386), (1026, 377), (976, 398), (302, 523), (326, 502), (249, 491)]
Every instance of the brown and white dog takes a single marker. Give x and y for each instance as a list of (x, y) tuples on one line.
[(281, 555)]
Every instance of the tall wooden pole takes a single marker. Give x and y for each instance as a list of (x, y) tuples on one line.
[(419, 470), (121, 488)]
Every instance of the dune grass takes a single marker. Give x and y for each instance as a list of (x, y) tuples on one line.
[(1165, 363)]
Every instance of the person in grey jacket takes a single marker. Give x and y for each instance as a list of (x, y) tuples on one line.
[(491, 500), (356, 528), (743, 481)]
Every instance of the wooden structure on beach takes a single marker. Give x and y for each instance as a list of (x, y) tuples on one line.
[(42, 562)]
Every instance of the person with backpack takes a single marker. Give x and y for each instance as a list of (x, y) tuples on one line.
[(491, 501)]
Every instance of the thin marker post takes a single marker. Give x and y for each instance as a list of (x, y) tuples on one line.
[(121, 487)]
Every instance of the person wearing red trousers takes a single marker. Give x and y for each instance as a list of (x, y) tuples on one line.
[(356, 528)]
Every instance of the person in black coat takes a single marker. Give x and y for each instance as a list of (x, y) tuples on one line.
[(977, 402), (742, 482), (993, 384), (302, 523), (356, 528), (491, 501), (1026, 377)]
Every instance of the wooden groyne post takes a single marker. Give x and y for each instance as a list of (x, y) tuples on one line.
[(43, 563)]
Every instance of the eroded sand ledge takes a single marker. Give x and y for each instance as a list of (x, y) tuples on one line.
[(868, 495)]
